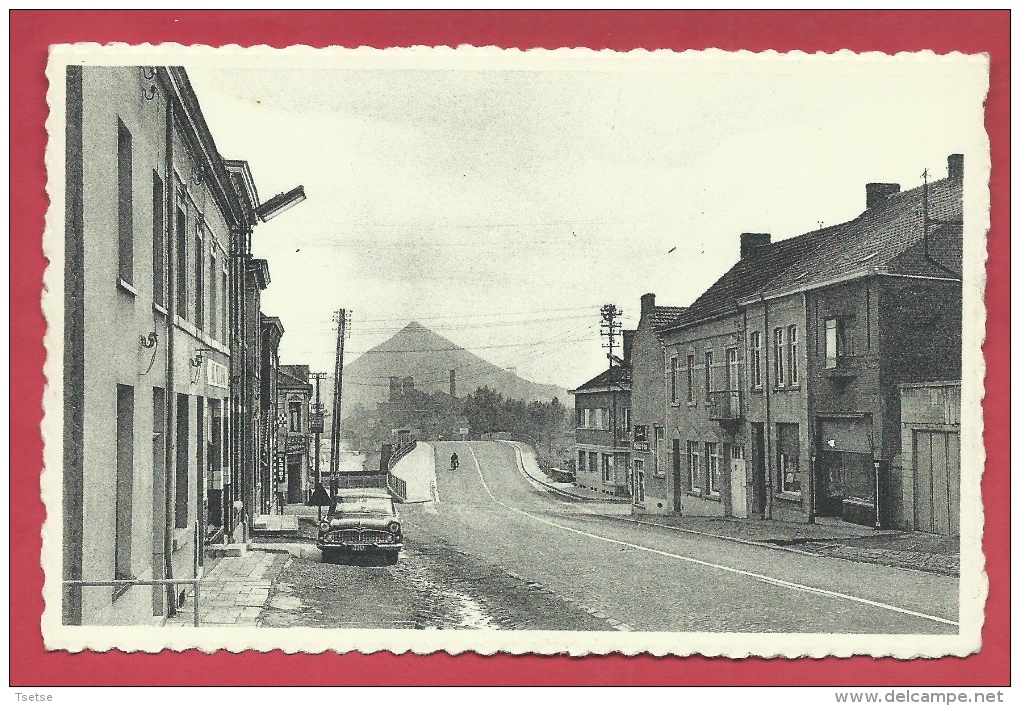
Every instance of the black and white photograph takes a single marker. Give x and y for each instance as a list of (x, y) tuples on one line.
[(484, 350)]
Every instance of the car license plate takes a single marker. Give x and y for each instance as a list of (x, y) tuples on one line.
[(358, 548)]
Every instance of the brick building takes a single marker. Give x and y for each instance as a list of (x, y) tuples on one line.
[(602, 434), (649, 398), (294, 399), (790, 363)]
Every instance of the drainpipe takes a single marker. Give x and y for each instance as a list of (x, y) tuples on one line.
[(806, 385), (170, 403), (768, 410)]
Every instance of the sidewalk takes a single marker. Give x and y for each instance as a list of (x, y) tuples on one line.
[(233, 592), (906, 550), (535, 472)]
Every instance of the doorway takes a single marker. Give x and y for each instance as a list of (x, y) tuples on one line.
[(294, 479), (937, 482), (738, 480)]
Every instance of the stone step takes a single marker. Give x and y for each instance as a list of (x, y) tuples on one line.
[(225, 550)]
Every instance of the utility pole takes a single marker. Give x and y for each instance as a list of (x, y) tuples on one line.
[(610, 328), (924, 217), (342, 321), (317, 427)]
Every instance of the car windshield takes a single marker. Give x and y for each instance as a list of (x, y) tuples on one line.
[(365, 505)]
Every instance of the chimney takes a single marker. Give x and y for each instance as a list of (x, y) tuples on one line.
[(647, 304), (956, 167), (628, 345), (750, 242), (453, 383), (876, 193)]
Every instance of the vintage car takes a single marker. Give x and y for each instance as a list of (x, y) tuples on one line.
[(361, 520)]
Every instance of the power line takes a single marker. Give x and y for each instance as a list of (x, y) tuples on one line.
[(455, 348), (437, 376)]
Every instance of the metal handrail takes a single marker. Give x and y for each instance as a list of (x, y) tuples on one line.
[(151, 582)]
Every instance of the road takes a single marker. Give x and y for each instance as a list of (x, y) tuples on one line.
[(499, 551)]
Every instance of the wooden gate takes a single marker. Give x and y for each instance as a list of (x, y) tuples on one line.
[(937, 482)]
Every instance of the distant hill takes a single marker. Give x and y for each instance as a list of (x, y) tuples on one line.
[(418, 352)]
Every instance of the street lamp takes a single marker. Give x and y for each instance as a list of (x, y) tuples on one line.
[(280, 203)]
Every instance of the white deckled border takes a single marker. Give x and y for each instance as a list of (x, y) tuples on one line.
[(973, 579)]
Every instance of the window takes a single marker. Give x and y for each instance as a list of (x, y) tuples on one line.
[(639, 482), (694, 466), (780, 367), (756, 360), (607, 468), (181, 494), (839, 341), (158, 242), (181, 263), (709, 362), (295, 416), (791, 347), (593, 462), (579, 422), (125, 214), (626, 419), (199, 278), (224, 334), (125, 483), (714, 468), (580, 461), (214, 298), (732, 370), (673, 394), (690, 378), (788, 457)]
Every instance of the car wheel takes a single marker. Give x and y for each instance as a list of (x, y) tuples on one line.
[(328, 556), (392, 558)]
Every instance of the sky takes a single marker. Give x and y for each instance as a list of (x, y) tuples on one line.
[(501, 208)]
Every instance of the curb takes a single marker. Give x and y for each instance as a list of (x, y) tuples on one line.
[(770, 545), (560, 491)]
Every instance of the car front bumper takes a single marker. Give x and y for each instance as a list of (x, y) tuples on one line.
[(360, 547)]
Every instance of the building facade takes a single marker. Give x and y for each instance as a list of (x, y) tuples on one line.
[(651, 458), (271, 437), (602, 434), (150, 213), (930, 457), (294, 400), (790, 364)]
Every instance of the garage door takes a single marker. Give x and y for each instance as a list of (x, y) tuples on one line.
[(937, 482)]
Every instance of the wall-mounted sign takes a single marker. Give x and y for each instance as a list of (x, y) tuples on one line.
[(316, 422), (216, 374)]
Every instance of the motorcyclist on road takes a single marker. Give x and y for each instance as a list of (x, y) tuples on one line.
[(454, 461)]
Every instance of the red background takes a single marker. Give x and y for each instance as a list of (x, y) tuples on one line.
[(32, 31)]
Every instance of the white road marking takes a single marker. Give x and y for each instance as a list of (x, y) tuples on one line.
[(750, 574)]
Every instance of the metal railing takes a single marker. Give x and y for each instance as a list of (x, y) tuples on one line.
[(397, 486), (127, 583), (724, 405)]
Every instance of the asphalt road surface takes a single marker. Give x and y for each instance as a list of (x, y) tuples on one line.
[(499, 551)]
